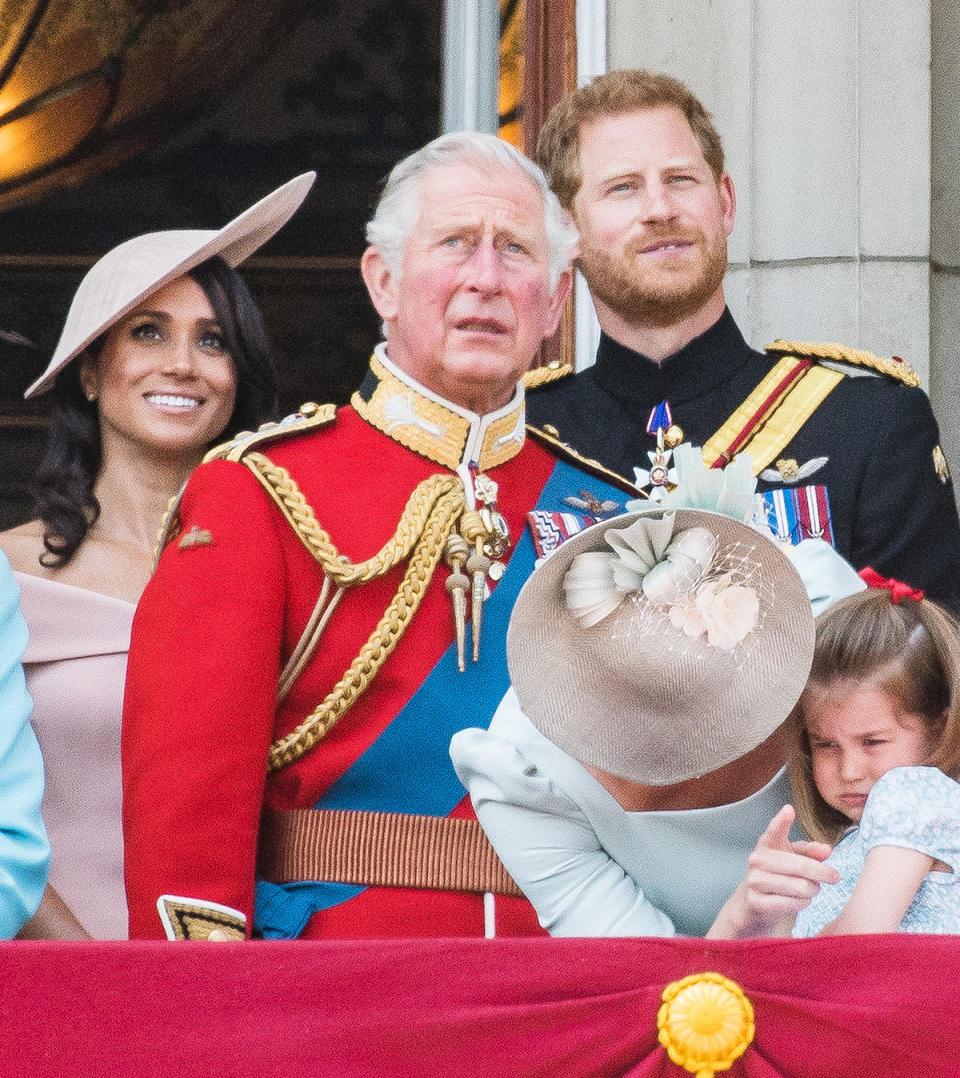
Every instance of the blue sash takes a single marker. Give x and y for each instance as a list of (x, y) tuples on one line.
[(446, 702)]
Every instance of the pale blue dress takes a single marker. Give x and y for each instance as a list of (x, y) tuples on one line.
[(589, 867), (24, 849), (914, 807)]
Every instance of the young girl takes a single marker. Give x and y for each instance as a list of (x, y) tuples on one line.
[(873, 758)]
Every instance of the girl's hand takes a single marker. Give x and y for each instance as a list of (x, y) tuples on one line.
[(782, 878)]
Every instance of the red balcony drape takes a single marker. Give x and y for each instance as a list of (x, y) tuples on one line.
[(872, 1006)]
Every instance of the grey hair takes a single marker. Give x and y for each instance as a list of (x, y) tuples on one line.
[(399, 206)]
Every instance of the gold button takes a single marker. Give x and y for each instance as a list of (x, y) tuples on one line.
[(672, 436)]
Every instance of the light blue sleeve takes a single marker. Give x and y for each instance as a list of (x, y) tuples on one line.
[(827, 577), (917, 808), (24, 849), (548, 845)]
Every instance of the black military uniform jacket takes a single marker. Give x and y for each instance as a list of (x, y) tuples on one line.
[(891, 499)]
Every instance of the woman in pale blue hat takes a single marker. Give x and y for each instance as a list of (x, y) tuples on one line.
[(629, 772)]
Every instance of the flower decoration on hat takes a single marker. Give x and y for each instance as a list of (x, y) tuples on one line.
[(674, 572), (726, 612)]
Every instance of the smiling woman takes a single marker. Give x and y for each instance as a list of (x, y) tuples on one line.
[(164, 380), (171, 355)]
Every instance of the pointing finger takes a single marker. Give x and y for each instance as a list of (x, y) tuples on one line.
[(776, 835)]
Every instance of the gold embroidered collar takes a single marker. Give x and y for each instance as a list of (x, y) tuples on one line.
[(439, 430)]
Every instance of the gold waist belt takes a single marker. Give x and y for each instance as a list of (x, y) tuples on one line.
[(380, 849)]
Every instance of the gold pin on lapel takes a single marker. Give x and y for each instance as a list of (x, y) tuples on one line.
[(788, 468), (196, 537)]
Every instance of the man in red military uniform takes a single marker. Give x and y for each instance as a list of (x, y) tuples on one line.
[(329, 608)]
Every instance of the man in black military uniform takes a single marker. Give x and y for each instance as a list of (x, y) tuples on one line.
[(856, 460)]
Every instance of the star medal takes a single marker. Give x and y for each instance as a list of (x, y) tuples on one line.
[(659, 478)]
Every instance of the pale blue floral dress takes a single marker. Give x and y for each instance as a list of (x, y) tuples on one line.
[(914, 807)]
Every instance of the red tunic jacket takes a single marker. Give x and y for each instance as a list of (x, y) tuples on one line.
[(214, 629)]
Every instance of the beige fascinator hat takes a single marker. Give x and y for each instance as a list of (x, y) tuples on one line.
[(661, 646), (129, 273)]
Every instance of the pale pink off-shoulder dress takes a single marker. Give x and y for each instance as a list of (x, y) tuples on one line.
[(75, 663)]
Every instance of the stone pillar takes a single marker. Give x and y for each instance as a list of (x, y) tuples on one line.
[(471, 65), (945, 226)]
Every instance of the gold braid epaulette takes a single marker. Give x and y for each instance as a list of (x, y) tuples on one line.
[(893, 368), (310, 416), (540, 376), (427, 520)]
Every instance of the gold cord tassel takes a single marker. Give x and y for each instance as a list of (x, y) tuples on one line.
[(455, 554), (478, 565)]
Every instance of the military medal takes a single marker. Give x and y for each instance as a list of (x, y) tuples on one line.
[(497, 539), (590, 503), (660, 478), (788, 470), (661, 420)]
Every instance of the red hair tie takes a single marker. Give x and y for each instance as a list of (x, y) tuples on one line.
[(898, 590)]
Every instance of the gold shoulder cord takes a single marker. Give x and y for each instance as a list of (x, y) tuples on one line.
[(427, 520), (839, 353)]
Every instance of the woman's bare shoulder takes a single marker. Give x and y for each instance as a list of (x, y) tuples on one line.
[(96, 565), (23, 546)]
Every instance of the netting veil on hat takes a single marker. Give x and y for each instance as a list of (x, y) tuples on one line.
[(661, 646), (130, 272)]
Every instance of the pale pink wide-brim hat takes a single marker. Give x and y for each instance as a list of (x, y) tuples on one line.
[(125, 276), (634, 694)]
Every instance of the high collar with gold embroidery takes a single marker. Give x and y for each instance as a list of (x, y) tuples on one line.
[(439, 430)]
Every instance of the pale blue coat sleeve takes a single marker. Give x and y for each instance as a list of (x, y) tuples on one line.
[(546, 841), (827, 577), (24, 849)]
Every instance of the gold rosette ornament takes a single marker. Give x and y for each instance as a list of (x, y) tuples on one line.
[(705, 1023)]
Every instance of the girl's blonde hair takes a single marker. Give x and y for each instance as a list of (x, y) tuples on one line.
[(909, 650)]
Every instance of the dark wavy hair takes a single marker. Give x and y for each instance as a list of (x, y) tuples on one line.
[(63, 484)]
